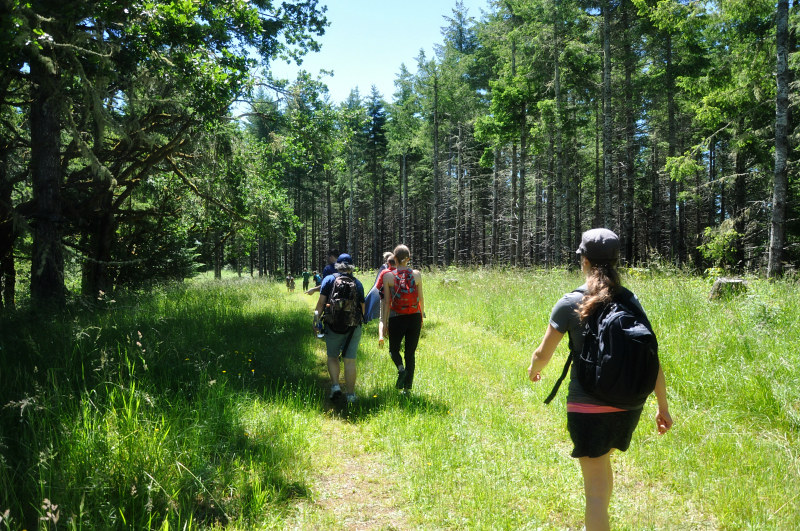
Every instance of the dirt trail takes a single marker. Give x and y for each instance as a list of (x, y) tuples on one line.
[(351, 488), (353, 491)]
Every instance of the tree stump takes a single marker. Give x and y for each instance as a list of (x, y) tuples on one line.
[(725, 288)]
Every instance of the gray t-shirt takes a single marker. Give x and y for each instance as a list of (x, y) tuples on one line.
[(564, 318)]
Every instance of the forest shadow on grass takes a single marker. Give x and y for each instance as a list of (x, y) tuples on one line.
[(258, 354), (73, 388)]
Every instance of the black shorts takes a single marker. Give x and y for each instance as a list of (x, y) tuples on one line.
[(596, 434)]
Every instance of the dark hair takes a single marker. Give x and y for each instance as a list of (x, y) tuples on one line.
[(602, 283), (333, 252)]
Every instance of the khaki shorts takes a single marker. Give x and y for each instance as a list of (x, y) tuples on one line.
[(334, 343)]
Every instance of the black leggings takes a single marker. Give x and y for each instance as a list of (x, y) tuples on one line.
[(406, 326)]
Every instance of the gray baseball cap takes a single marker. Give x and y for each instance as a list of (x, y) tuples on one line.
[(599, 246)]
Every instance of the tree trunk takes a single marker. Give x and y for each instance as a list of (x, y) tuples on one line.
[(739, 205), (576, 204), (672, 147), (559, 129), (495, 207), (404, 223), (597, 220), (550, 222), (523, 151), (514, 207), (218, 250), (538, 235), (780, 179), (375, 215), (607, 118), (655, 198), (630, 149), (460, 208), (312, 258), (435, 240), (329, 208), (96, 276), (8, 236), (47, 263), (261, 257), (448, 214), (698, 222)]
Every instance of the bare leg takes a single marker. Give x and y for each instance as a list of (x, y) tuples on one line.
[(333, 370), (349, 375), (598, 482)]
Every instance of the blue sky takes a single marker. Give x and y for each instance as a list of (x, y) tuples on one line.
[(367, 40)]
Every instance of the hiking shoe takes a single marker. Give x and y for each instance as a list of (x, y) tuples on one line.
[(401, 379), (351, 398), (336, 393)]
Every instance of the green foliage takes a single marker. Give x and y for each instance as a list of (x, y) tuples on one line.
[(203, 405), (719, 244), (683, 168), (141, 89), (142, 413)]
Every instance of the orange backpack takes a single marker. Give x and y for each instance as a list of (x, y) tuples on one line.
[(405, 299)]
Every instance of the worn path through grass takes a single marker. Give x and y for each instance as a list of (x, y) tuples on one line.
[(474, 446), (351, 488), (204, 405)]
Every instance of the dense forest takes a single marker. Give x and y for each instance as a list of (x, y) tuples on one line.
[(143, 141)]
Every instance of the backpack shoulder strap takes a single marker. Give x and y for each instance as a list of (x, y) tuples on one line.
[(627, 298), (564, 373), (347, 341)]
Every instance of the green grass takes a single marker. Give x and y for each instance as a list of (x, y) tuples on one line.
[(204, 405)]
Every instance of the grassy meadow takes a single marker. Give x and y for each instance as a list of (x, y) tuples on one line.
[(204, 405)]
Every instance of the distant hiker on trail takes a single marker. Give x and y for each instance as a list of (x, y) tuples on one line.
[(598, 426), (289, 283), (388, 263), (341, 305), (329, 269), (306, 277), (402, 314), (317, 279), (375, 296)]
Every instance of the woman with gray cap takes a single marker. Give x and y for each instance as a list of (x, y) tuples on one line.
[(596, 428)]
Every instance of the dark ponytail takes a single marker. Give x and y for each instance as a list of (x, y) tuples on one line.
[(602, 284)]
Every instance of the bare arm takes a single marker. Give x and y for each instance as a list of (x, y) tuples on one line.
[(313, 290), (418, 280), (543, 353), (380, 323), (663, 418), (321, 304), (383, 326)]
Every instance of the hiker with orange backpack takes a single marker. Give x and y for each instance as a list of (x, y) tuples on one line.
[(401, 315)]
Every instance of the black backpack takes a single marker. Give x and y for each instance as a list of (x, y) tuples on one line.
[(619, 361), (342, 310)]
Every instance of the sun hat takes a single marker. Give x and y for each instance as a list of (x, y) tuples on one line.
[(599, 246), (344, 258)]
